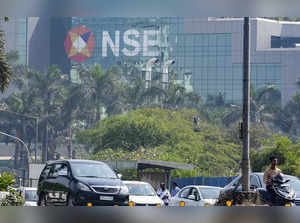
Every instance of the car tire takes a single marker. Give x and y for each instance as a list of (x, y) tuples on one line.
[(43, 201), (70, 201)]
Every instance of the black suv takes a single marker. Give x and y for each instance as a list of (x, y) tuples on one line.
[(82, 183)]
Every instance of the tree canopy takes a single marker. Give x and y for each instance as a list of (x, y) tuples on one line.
[(161, 134)]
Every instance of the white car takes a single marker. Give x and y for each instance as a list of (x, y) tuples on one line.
[(3, 194), (195, 195), (29, 194), (142, 194)]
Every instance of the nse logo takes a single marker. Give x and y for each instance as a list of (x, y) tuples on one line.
[(80, 43)]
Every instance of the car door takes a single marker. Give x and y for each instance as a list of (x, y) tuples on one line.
[(194, 197), (183, 196), (63, 180), (45, 182), (58, 183), (43, 179)]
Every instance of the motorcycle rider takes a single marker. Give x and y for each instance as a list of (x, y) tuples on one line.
[(271, 172)]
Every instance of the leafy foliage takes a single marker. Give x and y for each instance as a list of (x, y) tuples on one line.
[(159, 134), (5, 69), (6, 180), (12, 199), (288, 155)]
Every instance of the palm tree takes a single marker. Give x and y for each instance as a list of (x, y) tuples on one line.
[(172, 97), (100, 86), (21, 106), (289, 118), (50, 90), (135, 94), (264, 104), (73, 106), (5, 70), (192, 100)]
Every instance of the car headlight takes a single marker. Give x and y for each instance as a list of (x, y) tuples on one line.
[(124, 190), (83, 187)]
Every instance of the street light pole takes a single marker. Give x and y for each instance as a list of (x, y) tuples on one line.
[(18, 139), (36, 128), (246, 107)]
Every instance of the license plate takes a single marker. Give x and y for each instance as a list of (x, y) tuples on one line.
[(106, 198)]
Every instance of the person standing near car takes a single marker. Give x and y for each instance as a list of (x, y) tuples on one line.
[(269, 174), (164, 194), (175, 189)]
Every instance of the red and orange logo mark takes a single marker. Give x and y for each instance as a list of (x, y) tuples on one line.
[(79, 44)]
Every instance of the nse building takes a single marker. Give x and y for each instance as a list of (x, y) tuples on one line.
[(207, 52)]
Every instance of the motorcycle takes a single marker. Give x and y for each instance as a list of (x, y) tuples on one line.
[(283, 194)]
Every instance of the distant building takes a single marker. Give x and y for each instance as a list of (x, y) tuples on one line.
[(16, 37), (207, 52)]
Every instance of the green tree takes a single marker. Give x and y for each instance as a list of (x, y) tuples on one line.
[(163, 135), (50, 90), (264, 106), (6, 180), (287, 153), (101, 86), (5, 69), (289, 118)]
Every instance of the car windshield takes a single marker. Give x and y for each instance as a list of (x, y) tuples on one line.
[(261, 176), (210, 193), (31, 195), (233, 183), (92, 170), (295, 185), (140, 189)]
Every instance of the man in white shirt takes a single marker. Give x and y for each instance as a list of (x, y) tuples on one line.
[(164, 194)]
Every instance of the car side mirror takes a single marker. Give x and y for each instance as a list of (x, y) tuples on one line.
[(119, 176)]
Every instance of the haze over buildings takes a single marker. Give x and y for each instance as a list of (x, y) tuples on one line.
[(207, 52)]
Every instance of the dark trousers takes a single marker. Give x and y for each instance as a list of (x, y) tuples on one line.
[(272, 194)]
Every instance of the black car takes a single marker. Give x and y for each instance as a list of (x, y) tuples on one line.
[(257, 181), (82, 183)]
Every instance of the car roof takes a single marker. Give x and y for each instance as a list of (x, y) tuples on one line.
[(261, 175), (74, 161), (134, 182), (204, 187)]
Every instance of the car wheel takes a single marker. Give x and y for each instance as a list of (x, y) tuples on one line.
[(70, 201), (43, 202)]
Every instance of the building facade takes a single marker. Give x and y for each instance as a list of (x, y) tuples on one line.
[(207, 52), (16, 37)]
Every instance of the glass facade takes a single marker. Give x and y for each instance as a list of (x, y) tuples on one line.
[(130, 39), (16, 37), (206, 57), (21, 39)]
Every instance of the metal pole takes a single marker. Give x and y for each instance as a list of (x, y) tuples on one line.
[(36, 138), (18, 139), (246, 107)]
